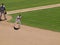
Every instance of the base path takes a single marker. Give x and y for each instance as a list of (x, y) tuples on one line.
[(26, 35), (34, 8)]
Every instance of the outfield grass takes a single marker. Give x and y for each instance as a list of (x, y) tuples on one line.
[(19, 4), (44, 19)]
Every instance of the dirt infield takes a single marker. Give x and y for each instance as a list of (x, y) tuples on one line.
[(26, 35)]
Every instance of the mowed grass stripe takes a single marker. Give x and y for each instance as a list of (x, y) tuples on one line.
[(45, 19), (19, 4)]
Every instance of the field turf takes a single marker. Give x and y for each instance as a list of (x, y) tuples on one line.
[(19, 4), (45, 19)]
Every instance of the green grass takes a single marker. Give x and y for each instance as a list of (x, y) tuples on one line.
[(19, 4), (44, 19)]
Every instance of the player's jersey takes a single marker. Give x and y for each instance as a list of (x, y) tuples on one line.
[(2, 8), (18, 19)]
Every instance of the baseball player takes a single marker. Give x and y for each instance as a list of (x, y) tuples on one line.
[(2, 11), (18, 22)]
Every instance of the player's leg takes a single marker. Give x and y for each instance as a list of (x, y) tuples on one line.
[(0, 16), (19, 24), (16, 28), (5, 16)]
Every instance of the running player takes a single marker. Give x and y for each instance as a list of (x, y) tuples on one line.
[(2, 11), (18, 22)]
